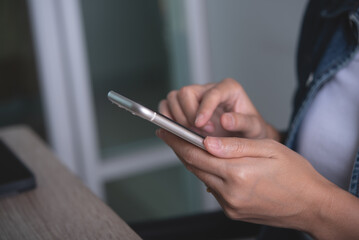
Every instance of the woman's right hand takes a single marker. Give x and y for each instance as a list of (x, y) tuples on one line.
[(218, 109)]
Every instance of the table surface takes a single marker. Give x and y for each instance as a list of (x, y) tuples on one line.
[(60, 207)]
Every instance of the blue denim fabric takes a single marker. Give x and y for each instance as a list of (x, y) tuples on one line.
[(328, 41)]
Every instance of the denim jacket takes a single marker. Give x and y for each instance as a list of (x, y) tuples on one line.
[(328, 41)]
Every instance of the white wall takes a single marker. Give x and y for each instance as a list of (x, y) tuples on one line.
[(254, 41)]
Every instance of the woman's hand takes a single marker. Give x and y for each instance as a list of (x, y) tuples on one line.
[(221, 109), (259, 181)]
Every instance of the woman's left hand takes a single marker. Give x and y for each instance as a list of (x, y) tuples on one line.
[(257, 180)]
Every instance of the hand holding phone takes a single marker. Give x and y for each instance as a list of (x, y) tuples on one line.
[(156, 118)]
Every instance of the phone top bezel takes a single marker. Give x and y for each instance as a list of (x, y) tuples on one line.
[(154, 117), (129, 105)]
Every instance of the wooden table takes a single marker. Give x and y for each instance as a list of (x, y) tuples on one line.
[(61, 207)]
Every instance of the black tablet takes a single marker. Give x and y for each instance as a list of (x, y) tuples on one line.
[(15, 176)]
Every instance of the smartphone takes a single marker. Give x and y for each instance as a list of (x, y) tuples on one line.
[(15, 176), (156, 118)]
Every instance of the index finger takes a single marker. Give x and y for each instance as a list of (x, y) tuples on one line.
[(192, 155), (218, 94), (189, 98), (232, 147)]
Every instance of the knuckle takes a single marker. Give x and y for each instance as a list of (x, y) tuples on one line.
[(184, 92), (231, 213), (188, 167), (231, 202), (231, 198), (234, 207), (240, 147), (172, 94), (229, 80), (189, 155), (214, 92), (270, 143), (239, 175), (243, 175), (232, 82), (231, 173)]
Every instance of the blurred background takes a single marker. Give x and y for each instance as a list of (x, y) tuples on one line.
[(58, 60)]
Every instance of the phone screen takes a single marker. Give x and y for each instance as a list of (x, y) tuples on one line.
[(14, 175)]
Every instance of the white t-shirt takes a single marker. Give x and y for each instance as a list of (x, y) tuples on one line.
[(329, 134)]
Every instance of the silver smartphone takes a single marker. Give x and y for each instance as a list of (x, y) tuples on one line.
[(156, 118)]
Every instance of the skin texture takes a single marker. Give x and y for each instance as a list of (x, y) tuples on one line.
[(222, 109), (254, 177)]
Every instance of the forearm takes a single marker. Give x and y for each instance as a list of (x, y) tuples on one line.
[(338, 217)]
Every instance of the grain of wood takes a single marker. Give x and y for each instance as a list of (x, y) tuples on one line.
[(60, 207)]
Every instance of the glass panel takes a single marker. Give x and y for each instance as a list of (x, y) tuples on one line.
[(131, 50), (153, 195), (20, 100), (138, 48)]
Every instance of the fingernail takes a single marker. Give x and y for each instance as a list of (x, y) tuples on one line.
[(213, 142), (209, 128)]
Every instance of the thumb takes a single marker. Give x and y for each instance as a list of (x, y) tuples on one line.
[(248, 125), (239, 147)]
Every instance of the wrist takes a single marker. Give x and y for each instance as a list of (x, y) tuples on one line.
[(337, 217), (318, 223), (314, 206)]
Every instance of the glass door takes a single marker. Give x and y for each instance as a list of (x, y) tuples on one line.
[(128, 52), (141, 49), (137, 48)]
